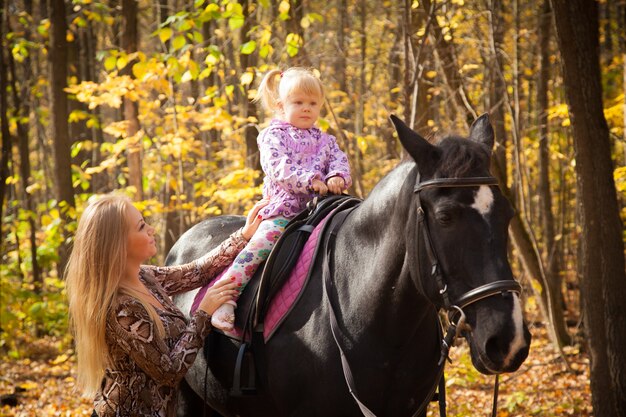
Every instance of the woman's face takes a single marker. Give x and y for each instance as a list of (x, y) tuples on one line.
[(141, 243)]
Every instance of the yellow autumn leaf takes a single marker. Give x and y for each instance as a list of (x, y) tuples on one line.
[(121, 62), (246, 78), (186, 77), (165, 34), (284, 7), (178, 42), (139, 70), (29, 385), (109, 63)]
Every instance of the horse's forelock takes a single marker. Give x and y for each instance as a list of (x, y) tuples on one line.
[(461, 157)]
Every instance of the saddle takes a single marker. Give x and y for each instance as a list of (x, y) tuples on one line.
[(287, 250), (268, 280)]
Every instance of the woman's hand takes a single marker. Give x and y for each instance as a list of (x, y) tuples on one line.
[(336, 185), (319, 187), (218, 294), (253, 220)]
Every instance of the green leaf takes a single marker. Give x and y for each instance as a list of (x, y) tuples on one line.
[(248, 47), (316, 16), (197, 37), (35, 308), (229, 90), (293, 43), (264, 51), (178, 42), (185, 25), (235, 22)]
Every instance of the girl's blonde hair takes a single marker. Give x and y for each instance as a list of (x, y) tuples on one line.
[(93, 280), (277, 85)]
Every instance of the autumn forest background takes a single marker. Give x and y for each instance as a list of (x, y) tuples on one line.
[(153, 98)]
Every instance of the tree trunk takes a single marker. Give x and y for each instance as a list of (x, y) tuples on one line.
[(520, 232), (249, 62), (173, 217), (341, 59), (129, 42), (621, 24), (57, 56), (296, 13), (357, 165), (553, 297), (416, 107), (4, 123), (23, 110), (447, 54), (89, 44), (601, 268), (498, 93)]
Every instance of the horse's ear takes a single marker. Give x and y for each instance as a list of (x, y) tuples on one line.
[(482, 131), (419, 148)]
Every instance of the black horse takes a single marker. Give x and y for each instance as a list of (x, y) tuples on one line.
[(431, 235)]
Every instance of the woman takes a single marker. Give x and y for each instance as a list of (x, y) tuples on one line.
[(133, 344)]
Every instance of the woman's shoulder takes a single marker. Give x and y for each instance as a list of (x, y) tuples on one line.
[(125, 305), (148, 273)]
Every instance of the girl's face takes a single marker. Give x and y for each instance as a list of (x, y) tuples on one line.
[(301, 110), (141, 243)]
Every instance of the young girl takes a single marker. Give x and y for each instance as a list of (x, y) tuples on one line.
[(298, 160), (133, 344)]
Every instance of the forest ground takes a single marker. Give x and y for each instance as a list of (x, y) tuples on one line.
[(541, 387)]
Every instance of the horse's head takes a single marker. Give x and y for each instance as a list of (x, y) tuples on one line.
[(457, 243)]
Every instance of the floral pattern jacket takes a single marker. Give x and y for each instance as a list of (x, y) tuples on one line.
[(291, 158)]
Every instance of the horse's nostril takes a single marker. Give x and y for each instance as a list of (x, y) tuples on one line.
[(496, 350)]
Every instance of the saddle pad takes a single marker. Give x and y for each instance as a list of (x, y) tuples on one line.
[(290, 292), (285, 298)]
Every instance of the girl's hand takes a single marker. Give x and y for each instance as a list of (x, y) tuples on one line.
[(319, 187), (218, 294), (336, 185), (253, 220)]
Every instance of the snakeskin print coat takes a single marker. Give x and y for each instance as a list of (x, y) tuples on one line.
[(144, 370)]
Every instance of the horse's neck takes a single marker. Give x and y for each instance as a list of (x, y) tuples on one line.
[(371, 266)]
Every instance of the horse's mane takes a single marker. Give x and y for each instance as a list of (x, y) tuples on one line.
[(461, 157)]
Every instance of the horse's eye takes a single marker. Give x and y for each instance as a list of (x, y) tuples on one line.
[(444, 217)]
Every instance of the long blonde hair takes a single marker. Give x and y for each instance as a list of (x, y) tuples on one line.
[(277, 85), (93, 274)]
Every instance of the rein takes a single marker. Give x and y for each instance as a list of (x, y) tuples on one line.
[(453, 309)]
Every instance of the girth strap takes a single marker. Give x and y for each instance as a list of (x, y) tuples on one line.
[(334, 325)]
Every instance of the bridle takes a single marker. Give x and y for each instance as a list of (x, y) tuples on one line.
[(454, 309), (476, 294)]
